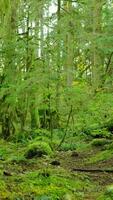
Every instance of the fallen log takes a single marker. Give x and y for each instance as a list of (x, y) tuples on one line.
[(92, 170)]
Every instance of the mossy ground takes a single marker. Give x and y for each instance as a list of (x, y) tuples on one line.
[(37, 179)]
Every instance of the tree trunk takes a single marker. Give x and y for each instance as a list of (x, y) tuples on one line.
[(97, 30)]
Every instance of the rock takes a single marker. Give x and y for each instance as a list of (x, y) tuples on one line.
[(74, 154), (34, 153), (55, 162), (45, 174), (7, 173)]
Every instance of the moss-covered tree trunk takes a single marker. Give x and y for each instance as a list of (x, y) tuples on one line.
[(96, 33), (8, 63)]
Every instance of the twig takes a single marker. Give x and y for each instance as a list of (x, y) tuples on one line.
[(61, 142)]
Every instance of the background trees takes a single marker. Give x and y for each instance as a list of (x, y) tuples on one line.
[(54, 55)]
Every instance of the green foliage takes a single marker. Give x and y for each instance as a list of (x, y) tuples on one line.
[(109, 146), (96, 113), (56, 80), (2, 186), (41, 132), (109, 191), (59, 74), (68, 146)]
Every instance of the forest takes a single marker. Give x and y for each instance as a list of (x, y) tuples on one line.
[(56, 99)]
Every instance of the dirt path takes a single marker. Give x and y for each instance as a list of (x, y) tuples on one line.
[(95, 172)]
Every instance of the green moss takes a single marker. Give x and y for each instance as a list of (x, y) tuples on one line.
[(54, 186), (32, 180), (37, 149)]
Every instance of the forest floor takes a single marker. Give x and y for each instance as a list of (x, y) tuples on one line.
[(85, 173), (100, 173)]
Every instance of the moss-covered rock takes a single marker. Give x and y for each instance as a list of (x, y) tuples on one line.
[(38, 149)]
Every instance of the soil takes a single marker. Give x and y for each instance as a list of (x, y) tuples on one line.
[(70, 163)]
